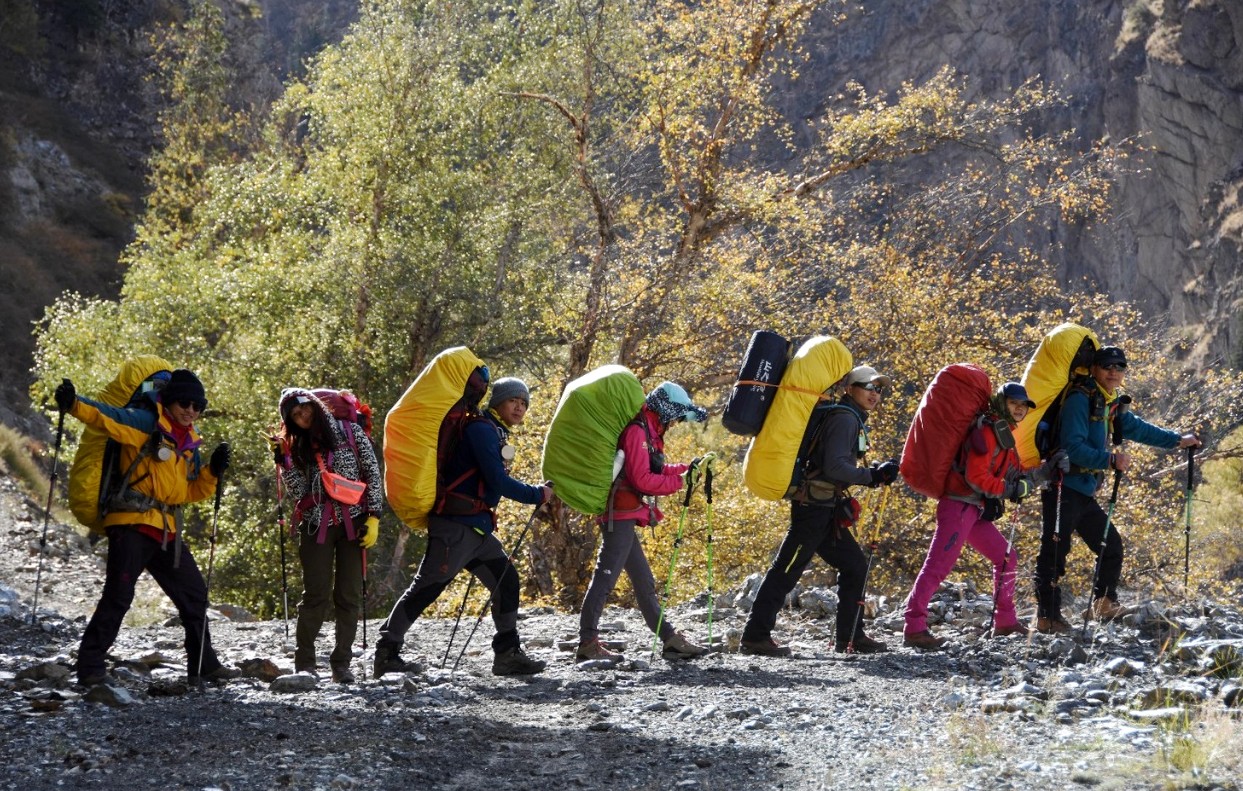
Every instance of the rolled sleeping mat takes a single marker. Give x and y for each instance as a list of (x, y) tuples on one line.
[(763, 365)]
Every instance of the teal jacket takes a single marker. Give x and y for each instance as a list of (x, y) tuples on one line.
[(1086, 424)]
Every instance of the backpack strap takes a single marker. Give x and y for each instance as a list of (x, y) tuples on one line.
[(448, 500)]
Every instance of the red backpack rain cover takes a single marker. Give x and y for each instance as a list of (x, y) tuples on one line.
[(956, 396)]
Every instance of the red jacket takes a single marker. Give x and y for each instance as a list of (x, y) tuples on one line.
[(982, 467), (637, 478)]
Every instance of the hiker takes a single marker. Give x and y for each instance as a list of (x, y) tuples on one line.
[(644, 476), (310, 445), (1089, 415), (159, 454), (461, 534), (986, 472), (821, 513)]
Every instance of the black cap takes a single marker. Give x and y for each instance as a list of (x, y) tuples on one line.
[(1109, 355)]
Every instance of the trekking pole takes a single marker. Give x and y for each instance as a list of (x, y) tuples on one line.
[(47, 512), (364, 561), (1123, 401), (211, 560), (708, 511), (691, 475), (488, 604), (280, 528), (872, 545), (1191, 477), (1058, 560), (461, 609)]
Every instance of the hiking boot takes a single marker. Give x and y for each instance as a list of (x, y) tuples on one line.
[(678, 647), (766, 647), (516, 663), (1052, 625), (924, 641), (222, 674), (1006, 631), (592, 649), (1105, 609), (388, 661), (863, 645), (95, 678), (343, 675)]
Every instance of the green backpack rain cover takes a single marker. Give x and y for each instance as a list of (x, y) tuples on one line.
[(582, 440)]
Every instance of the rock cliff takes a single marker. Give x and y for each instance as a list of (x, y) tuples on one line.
[(78, 121)]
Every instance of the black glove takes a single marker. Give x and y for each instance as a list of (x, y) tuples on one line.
[(220, 458), (66, 396), (1018, 488), (993, 510), (884, 473)]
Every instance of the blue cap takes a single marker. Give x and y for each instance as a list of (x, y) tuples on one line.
[(1014, 391)]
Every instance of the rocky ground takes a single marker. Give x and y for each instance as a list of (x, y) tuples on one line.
[(1152, 702)]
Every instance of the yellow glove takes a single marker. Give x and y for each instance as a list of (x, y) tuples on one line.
[(373, 532)]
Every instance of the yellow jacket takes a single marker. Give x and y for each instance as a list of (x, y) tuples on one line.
[(165, 478)]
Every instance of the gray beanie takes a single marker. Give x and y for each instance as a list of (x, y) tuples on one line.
[(506, 388)]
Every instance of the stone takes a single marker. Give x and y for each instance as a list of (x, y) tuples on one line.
[(295, 682)]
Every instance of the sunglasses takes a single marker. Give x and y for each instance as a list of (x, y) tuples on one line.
[(1115, 367), (197, 406), (872, 386)]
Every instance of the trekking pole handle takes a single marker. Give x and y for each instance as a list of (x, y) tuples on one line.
[(708, 484), (1191, 467)]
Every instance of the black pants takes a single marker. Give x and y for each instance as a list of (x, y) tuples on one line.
[(451, 547), (1083, 515), (812, 532), (129, 554)]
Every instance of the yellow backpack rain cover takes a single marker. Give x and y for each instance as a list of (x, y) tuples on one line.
[(818, 364), (412, 431), (87, 469), (1047, 377)]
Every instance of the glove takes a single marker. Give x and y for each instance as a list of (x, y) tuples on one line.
[(994, 509), (66, 396), (1059, 460), (884, 473), (1019, 488), (220, 458), (1057, 463), (373, 532), (280, 453)]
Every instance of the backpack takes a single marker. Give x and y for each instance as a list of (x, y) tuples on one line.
[(412, 432), (452, 429), (95, 476), (811, 439), (947, 412), (1060, 363), (756, 386), (346, 407), (581, 443), (771, 457)]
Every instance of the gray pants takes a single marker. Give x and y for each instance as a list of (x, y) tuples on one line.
[(620, 550)]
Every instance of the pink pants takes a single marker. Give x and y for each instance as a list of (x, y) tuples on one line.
[(958, 524)]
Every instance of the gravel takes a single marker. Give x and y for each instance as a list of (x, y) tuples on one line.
[(1152, 702)]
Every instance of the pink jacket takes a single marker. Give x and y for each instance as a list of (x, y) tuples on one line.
[(637, 476)]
